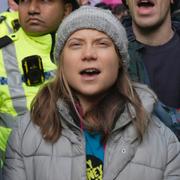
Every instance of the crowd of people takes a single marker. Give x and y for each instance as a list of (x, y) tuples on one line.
[(90, 92)]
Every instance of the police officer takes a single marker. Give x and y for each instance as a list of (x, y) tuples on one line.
[(26, 55)]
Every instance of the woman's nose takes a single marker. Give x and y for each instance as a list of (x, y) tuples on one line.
[(89, 53)]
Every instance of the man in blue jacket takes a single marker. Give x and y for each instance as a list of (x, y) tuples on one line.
[(154, 47)]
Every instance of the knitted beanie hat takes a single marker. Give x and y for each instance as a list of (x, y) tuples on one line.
[(88, 17)]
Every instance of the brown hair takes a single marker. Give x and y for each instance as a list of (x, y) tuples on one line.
[(101, 118)]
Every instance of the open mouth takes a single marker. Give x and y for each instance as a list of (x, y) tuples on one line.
[(90, 71), (145, 3)]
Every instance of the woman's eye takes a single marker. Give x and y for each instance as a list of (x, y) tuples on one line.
[(103, 44), (75, 44)]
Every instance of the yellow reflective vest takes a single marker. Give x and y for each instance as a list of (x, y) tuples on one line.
[(4, 134), (15, 95), (8, 23)]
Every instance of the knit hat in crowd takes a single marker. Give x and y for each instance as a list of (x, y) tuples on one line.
[(88, 17)]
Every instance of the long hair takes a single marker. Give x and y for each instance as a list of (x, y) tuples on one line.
[(102, 117)]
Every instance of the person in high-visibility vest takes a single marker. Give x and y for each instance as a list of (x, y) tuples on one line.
[(26, 55)]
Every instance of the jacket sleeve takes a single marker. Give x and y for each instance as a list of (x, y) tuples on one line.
[(14, 168), (172, 171)]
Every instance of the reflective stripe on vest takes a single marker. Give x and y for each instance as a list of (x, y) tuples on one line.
[(14, 79), (10, 30)]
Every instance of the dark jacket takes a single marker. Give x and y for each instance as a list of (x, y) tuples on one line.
[(138, 73)]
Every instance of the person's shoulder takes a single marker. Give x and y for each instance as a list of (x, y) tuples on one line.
[(143, 89), (20, 126), (10, 14), (4, 41), (146, 95), (29, 134), (161, 144), (17, 36), (10, 38), (149, 99), (160, 130), (4, 16), (23, 121)]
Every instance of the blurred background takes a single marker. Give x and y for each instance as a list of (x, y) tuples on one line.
[(3, 5)]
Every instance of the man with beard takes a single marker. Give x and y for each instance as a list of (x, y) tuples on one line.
[(154, 41)]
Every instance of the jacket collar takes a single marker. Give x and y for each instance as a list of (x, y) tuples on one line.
[(42, 43), (66, 113), (146, 95)]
